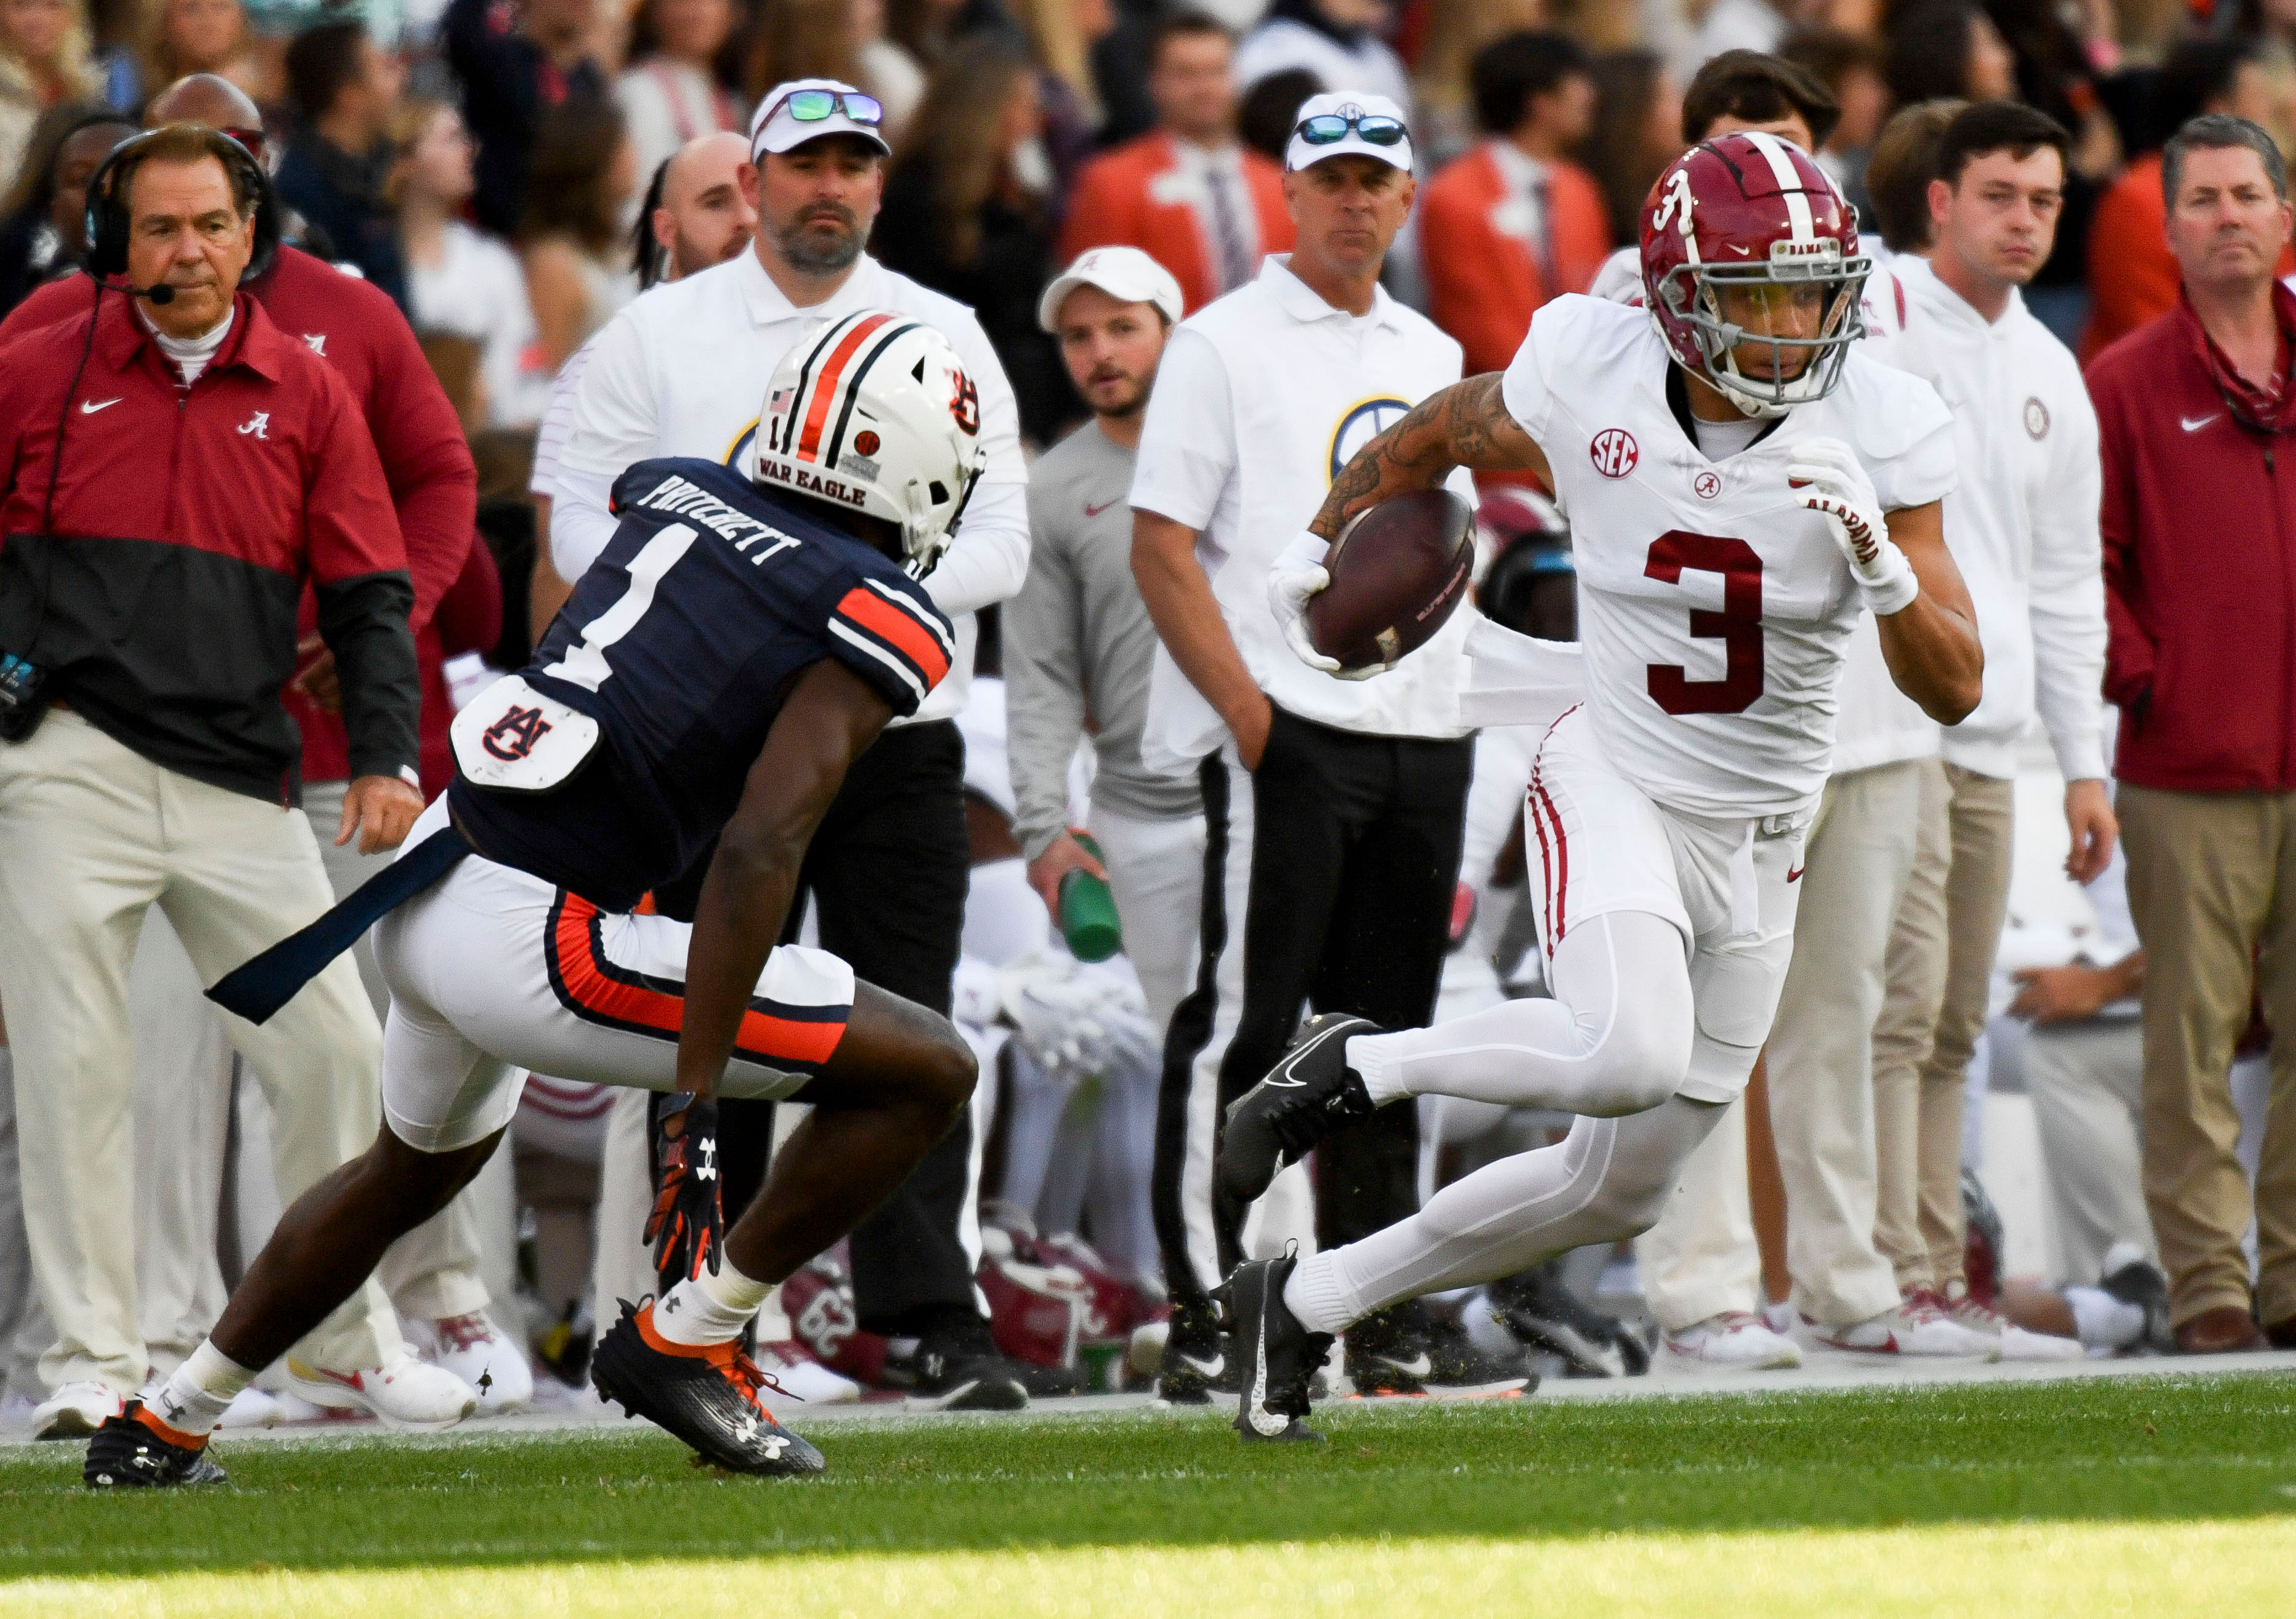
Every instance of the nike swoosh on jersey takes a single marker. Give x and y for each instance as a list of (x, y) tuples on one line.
[(1091, 510), (2192, 425), (88, 408)]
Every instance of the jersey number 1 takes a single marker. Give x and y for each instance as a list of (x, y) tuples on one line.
[(1738, 626)]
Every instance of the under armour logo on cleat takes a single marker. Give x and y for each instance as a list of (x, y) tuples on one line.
[(774, 1446), (708, 1169)]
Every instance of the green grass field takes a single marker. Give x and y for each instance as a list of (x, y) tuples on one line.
[(2097, 1497)]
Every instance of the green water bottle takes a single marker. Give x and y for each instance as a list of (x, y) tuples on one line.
[(1088, 911)]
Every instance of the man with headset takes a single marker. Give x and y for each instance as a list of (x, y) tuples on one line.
[(432, 1276), (174, 468)]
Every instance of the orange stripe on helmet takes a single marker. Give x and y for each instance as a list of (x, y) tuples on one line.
[(824, 387), (889, 623)]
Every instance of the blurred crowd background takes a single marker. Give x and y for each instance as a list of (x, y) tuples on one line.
[(483, 162)]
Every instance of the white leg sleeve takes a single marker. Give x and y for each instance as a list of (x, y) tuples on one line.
[(1609, 1179), (1615, 1039)]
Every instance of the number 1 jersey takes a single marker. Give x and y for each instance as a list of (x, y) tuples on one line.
[(1713, 609), (680, 643)]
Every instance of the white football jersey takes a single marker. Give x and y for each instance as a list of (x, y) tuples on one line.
[(1713, 609)]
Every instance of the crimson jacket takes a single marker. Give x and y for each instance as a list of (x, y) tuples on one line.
[(433, 482), (2199, 523), (154, 541)]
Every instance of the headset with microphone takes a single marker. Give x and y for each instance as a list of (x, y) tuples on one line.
[(107, 211)]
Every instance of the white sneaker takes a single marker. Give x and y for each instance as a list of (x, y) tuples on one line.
[(793, 1366), (1778, 1316), (252, 1408), (1918, 1325), (1736, 1339), (406, 1394), (2018, 1343), (75, 1410), (479, 1352)]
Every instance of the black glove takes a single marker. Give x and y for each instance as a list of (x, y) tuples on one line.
[(687, 1226)]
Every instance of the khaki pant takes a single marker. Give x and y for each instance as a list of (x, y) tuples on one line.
[(1939, 974), (1857, 865), (91, 835), (2212, 886)]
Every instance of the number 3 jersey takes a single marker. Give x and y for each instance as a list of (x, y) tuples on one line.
[(609, 763), (1713, 611)]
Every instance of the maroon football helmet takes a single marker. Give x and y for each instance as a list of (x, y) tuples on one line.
[(1751, 209)]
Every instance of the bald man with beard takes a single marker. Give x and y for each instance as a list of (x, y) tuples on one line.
[(433, 1273)]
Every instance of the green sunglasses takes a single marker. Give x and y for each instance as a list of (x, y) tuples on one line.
[(1328, 128), (811, 106)]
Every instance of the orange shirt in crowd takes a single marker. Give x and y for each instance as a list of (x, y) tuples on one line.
[(1136, 196), (1484, 281), (2131, 276)]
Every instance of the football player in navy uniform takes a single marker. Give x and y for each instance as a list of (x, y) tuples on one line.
[(737, 645)]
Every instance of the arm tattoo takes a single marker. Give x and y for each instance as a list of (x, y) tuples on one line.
[(1466, 424)]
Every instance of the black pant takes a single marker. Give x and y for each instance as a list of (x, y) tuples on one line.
[(888, 872), (1353, 844)]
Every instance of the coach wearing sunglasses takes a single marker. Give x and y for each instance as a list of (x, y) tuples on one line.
[(682, 371), (1360, 787)]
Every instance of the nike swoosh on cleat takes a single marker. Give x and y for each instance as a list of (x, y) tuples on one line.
[(1264, 1422), (1212, 1368), (1420, 1366), (1291, 1061), (1795, 875)]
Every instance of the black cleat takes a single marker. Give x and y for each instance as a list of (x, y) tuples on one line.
[(1280, 1357), (1197, 1363), (1539, 1310), (955, 1366), (2134, 1279), (1461, 1365), (135, 1450), (705, 1394), (1304, 1097), (1389, 1352)]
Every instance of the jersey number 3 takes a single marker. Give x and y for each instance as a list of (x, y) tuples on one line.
[(1738, 626)]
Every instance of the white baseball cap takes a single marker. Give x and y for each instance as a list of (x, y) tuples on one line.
[(1347, 108), (775, 128), (1124, 274)]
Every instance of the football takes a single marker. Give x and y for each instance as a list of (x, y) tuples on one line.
[(1398, 570)]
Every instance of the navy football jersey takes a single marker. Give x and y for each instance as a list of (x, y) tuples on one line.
[(678, 642)]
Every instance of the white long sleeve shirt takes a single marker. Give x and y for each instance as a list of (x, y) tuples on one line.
[(684, 370), (2021, 525)]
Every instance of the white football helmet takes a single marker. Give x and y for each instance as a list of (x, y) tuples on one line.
[(876, 413)]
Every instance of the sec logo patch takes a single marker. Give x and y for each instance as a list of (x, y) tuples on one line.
[(1708, 485), (866, 442), (1614, 452), (2037, 418)]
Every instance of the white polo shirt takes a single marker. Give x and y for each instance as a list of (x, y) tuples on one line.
[(684, 370), (1304, 385)]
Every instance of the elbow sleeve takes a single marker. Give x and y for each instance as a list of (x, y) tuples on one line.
[(364, 622)]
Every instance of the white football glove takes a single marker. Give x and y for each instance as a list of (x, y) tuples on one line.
[(1297, 573), (1052, 1009), (1831, 482)]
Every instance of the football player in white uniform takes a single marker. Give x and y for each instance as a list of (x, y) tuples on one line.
[(1739, 481)]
